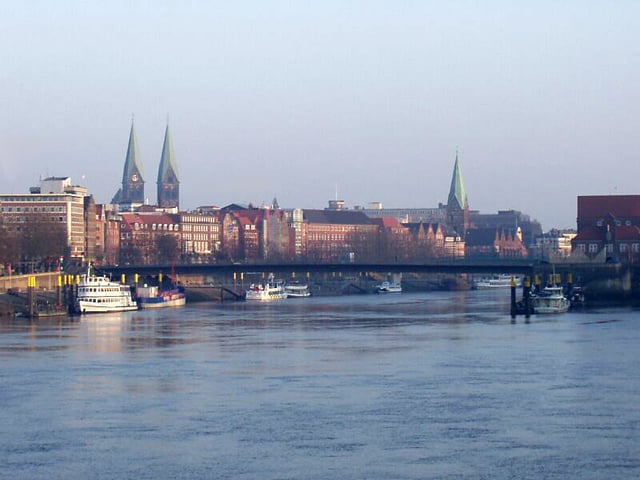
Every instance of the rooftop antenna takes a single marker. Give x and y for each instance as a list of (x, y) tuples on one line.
[(336, 191)]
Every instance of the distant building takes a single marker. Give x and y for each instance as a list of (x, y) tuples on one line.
[(495, 242), (508, 220), (336, 235), (55, 202), (608, 227), (140, 234), (554, 245), (201, 235)]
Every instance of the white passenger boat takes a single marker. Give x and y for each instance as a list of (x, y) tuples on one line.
[(389, 287), (271, 290), (155, 297), (550, 300), (497, 281), (98, 294), (294, 290)]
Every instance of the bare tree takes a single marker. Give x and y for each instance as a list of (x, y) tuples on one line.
[(167, 248), (41, 238)]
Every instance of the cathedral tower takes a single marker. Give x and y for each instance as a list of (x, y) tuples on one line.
[(132, 190), (168, 184)]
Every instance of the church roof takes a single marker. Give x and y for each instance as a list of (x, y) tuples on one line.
[(457, 192), (132, 163), (167, 160)]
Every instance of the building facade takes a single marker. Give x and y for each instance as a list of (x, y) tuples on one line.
[(608, 228), (56, 205)]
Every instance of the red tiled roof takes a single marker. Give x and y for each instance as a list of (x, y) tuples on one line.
[(627, 233), (589, 233), (388, 222), (150, 219), (592, 206)]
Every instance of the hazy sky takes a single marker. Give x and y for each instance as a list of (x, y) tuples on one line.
[(290, 99)]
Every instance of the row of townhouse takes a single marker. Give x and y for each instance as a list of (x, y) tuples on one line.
[(235, 233), (103, 234)]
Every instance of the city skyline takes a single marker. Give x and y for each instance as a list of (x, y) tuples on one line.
[(277, 100)]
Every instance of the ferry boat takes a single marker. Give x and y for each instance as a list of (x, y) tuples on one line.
[(498, 281), (389, 287), (156, 297), (271, 290), (98, 294), (294, 290), (550, 300)]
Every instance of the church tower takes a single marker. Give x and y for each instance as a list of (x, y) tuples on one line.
[(458, 204), (168, 184), (132, 191)]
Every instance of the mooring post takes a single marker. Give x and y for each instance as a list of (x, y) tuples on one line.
[(59, 291), (514, 305), (526, 286), (31, 283)]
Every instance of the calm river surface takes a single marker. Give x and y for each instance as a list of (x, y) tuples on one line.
[(408, 386)]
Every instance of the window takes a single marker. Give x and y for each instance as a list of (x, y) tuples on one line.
[(623, 247), (593, 248), (582, 247)]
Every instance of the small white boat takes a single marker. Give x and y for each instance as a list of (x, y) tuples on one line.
[(271, 290), (389, 287), (498, 281), (154, 297), (294, 290), (98, 294), (550, 300)]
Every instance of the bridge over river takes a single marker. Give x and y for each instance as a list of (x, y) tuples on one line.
[(601, 280), (453, 266)]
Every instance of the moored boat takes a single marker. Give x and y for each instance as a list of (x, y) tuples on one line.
[(497, 281), (99, 294), (156, 297), (271, 290), (389, 287), (550, 300), (294, 290)]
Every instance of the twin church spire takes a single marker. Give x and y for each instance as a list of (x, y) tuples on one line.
[(132, 190)]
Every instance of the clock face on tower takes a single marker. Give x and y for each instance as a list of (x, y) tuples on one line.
[(134, 178)]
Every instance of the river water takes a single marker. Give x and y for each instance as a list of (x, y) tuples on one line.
[(410, 386)]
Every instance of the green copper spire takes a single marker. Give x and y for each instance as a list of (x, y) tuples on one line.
[(168, 184), (132, 166), (457, 193), (168, 171)]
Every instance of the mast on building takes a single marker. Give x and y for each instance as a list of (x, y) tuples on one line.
[(168, 183)]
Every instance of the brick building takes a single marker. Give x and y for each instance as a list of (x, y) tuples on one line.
[(608, 227)]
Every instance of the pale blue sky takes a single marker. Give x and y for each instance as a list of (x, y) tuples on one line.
[(288, 99)]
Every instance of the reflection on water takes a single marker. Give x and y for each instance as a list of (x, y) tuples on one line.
[(434, 385)]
